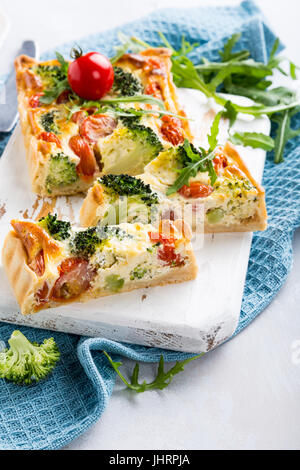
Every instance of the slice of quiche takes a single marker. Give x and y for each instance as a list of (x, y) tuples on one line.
[(114, 199), (71, 141), (50, 263), (232, 202)]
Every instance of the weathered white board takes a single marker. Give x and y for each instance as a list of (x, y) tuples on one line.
[(192, 317)]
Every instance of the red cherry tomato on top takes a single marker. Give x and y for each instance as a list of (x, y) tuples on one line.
[(91, 76)]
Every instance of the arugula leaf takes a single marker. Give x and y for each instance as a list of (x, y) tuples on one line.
[(63, 63), (230, 113), (226, 54), (196, 161), (134, 99), (214, 132), (162, 380), (253, 139), (284, 132), (273, 97)]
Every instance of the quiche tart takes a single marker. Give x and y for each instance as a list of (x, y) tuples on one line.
[(50, 263), (70, 141), (234, 203)]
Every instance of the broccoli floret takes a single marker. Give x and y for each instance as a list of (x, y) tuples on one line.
[(125, 83), (49, 73), (85, 242), (25, 362), (129, 149), (48, 122), (125, 185), (62, 172), (58, 229)]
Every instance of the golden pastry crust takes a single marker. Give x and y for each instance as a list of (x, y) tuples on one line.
[(26, 284)]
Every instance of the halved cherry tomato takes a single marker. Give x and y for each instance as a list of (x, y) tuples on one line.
[(159, 237), (88, 165), (220, 161), (42, 294), (195, 190), (34, 101), (32, 81), (63, 97), (172, 130), (50, 137), (91, 76), (38, 264), (79, 117), (75, 278), (167, 255), (96, 126), (154, 89)]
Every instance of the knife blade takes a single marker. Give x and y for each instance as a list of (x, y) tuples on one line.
[(9, 110)]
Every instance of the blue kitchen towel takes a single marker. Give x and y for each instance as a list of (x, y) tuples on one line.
[(51, 414)]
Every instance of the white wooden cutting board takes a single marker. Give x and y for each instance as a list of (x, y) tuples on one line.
[(192, 317)]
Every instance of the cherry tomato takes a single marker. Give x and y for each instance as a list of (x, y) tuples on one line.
[(159, 237), (171, 129), (63, 97), (38, 264), (42, 295), (88, 165), (75, 278), (96, 126), (154, 89), (91, 76), (220, 162), (195, 190), (34, 101), (50, 137), (79, 117), (169, 257)]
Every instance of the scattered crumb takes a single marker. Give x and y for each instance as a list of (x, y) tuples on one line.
[(2, 210), (144, 297), (25, 214)]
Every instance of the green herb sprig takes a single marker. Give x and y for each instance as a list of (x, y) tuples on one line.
[(162, 380), (198, 159)]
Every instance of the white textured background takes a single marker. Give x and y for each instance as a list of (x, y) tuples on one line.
[(244, 395)]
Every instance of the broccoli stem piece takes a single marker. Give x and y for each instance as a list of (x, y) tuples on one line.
[(25, 362)]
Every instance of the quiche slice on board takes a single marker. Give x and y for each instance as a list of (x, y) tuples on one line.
[(71, 141), (234, 202), (50, 263)]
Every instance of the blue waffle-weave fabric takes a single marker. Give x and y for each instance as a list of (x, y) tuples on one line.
[(51, 414)]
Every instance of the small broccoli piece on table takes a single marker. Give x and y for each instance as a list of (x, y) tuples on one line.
[(62, 172), (125, 185), (58, 229), (126, 84), (129, 149), (25, 362)]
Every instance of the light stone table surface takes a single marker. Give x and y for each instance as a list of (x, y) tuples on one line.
[(245, 394)]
